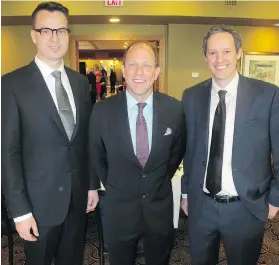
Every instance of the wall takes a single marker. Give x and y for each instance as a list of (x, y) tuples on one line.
[(185, 53), (16, 40), (17, 48)]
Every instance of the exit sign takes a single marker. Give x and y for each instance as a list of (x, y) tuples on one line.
[(114, 2)]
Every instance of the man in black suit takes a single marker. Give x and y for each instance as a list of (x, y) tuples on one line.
[(45, 113), (137, 161), (92, 85), (228, 187), (112, 79)]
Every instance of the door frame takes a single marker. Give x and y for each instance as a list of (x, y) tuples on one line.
[(74, 54)]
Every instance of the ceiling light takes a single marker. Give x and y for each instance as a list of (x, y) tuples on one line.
[(114, 20), (276, 25), (126, 43), (125, 46)]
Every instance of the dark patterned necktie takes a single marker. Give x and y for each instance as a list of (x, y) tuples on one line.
[(142, 147), (64, 107), (215, 163)]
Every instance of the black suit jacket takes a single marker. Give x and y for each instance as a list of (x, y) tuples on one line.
[(41, 168), (256, 135), (92, 82), (136, 195)]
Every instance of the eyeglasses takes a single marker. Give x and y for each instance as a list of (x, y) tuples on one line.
[(47, 33)]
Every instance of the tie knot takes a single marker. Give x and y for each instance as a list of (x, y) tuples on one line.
[(222, 94), (141, 106), (56, 74)]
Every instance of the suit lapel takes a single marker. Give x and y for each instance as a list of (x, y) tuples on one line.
[(243, 103), (40, 89), (75, 89), (245, 94), (158, 126), (205, 111)]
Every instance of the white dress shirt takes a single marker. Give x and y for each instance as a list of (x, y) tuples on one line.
[(228, 187), (50, 82)]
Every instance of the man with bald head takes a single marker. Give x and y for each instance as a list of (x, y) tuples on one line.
[(136, 162)]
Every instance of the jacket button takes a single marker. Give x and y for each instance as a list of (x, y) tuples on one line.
[(144, 196), (60, 188), (143, 176)]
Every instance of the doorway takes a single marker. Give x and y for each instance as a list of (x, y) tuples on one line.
[(158, 40)]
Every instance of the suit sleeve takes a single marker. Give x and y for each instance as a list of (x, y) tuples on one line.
[(187, 155), (97, 151), (13, 182), (178, 145), (274, 138)]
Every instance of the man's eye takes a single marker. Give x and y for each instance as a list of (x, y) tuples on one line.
[(45, 31), (62, 31)]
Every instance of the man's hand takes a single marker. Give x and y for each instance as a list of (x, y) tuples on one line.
[(93, 199), (272, 211), (184, 206), (23, 229)]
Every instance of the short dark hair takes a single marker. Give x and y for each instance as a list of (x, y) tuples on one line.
[(142, 43), (51, 7), (219, 29)]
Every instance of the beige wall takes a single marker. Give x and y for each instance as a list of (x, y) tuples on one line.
[(185, 52), (17, 48)]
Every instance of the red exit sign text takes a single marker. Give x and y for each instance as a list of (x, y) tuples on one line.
[(114, 2)]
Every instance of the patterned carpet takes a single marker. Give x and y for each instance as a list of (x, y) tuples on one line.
[(180, 253)]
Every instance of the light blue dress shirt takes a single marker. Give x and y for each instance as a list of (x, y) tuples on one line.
[(132, 109)]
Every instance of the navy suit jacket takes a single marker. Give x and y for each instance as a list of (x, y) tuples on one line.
[(256, 136)]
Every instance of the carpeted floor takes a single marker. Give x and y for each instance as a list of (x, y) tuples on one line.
[(180, 253)]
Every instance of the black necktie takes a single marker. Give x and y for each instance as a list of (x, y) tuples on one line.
[(215, 163)]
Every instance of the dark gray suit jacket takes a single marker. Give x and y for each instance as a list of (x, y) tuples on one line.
[(136, 196), (256, 135), (41, 168)]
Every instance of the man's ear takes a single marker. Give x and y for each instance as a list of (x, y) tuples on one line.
[(123, 70), (33, 36), (157, 72), (239, 54)]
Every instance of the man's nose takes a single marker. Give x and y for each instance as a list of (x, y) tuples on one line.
[(54, 36), (139, 69), (220, 57)]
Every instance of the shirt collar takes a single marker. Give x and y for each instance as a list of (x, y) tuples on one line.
[(131, 102), (231, 88), (47, 70)]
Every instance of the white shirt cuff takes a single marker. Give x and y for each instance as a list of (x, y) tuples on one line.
[(184, 196), (22, 218)]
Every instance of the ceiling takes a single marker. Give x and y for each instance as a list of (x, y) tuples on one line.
[(96, 45), (151, 20), (103, 45)]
